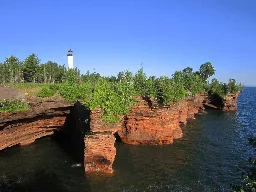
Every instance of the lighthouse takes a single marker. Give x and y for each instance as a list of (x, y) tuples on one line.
[(70, 59)]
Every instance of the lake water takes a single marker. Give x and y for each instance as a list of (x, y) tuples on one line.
[(208, 158)]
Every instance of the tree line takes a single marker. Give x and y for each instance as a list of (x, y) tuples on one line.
[(12, 70), (115, 93)]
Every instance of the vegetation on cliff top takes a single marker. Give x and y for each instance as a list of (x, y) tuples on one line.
[(223, 89), (114, 94)]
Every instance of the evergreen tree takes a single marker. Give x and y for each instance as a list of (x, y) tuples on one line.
[(14, 67), (30, 70), (61, 74)]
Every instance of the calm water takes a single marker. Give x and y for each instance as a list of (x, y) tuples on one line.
[(207, 158)]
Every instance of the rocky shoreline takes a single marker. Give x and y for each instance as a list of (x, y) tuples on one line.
[(147, 124)]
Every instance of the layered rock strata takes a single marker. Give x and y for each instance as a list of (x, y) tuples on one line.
[(43, 118), (146, 123), (100, 152), (156, 125)]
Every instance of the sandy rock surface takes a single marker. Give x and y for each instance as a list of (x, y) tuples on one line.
[(9, 93)]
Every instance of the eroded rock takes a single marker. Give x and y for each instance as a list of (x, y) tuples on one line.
[(156, 125), (228, 103), (42, 119), (99, 153)]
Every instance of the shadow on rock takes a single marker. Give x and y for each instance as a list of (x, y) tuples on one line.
[(71, 137)]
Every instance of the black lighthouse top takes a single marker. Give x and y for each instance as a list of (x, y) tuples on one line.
[(70, 52)]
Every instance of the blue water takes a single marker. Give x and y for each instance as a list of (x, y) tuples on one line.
[(209, 157)]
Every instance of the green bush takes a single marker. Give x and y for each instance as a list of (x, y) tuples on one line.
[(54, 87), (233, 87), (46, 91), (169, 90), (13, 106), (223, 89), (114, 98)]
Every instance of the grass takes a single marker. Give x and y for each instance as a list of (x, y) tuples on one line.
[(7, 106), (31, 89)]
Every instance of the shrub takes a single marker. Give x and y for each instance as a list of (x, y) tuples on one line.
[(54, 87), (70, 92), (222, 89), (13, 106), (46, 91), (114, 98), (233, 87)]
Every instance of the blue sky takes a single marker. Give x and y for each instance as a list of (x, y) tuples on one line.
[(115, 35)]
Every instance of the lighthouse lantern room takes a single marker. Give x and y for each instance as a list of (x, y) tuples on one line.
[(70, 59)]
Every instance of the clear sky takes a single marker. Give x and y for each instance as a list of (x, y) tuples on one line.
[(114, 35)]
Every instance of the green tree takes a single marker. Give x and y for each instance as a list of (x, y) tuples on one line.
[(73, 76), (152, 87), (14, 69), (2, 71), (218, 88), (61, 74), (51, 70), (206, 70), (31, 64), (40, 74), (188, 71), (233, 87), (140, 82)]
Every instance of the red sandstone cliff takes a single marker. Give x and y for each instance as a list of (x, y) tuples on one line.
[(230, 102), (144, 124), (41, 120), (100, 152), (158, 125)]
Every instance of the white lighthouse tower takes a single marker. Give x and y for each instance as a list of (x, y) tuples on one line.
[(70, 59)]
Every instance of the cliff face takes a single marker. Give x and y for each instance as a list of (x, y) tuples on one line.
[(24, 133), (157, 126), (100, 152), (41, 120), (145, 124), (228, 103)]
